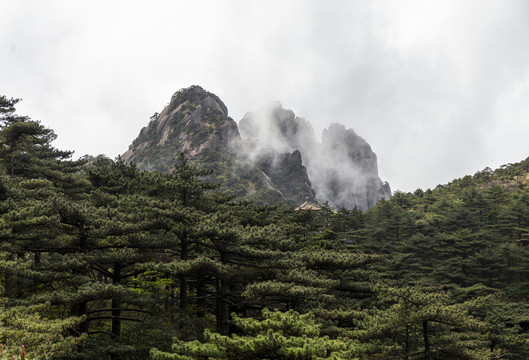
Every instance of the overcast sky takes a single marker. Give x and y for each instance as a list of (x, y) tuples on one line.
[(439, 89)]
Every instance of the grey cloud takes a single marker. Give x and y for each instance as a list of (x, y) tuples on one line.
[(438, 89), (342, 167)]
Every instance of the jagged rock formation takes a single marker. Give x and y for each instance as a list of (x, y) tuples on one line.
[(342, 168), (277, 159), (196, 122), (288, 174), (351, 177)]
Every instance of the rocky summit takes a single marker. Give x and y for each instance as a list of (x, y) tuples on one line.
[(272, 155), (195, 121), (342, 168)]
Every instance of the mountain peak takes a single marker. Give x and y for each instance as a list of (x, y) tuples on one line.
[(342, 168), (197, 95), (193, 121), (278, 157)]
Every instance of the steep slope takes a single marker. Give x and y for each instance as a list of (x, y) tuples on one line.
[(287, 174), (196, 123), (277, 159), (342, 168), (348, 174), (511, 177)]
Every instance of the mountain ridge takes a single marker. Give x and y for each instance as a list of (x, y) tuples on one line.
[(271, 155)]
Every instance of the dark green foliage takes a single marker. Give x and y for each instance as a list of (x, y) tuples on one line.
[(109, 262), (28, 330), (26, 149), (279, 335), (427, 324)]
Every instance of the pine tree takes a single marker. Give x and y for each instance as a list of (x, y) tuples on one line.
[(35, 173), (110, 233), (26, 149), (427, 324), (278, 335), (26, 333)]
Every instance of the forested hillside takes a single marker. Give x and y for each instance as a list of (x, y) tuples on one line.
[(99, 260)]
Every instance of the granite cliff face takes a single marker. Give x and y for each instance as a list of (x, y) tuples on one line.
[(342, 168), (277, 158), (348, 174), (196, 123)]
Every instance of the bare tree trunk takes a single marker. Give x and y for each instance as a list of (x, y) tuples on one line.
[(183, 278), (407, 342), (427, 352), (183, 292), (116, 309), (201, 298), (222, 308)]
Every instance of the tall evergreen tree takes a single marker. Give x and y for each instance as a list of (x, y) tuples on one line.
[(278, 335), (26, 148)]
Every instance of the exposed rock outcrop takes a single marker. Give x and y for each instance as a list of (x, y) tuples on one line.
[(288, 175), (196, 123), (342, 168), (277, 159)]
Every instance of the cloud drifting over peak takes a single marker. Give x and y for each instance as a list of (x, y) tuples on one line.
[(438, 89)]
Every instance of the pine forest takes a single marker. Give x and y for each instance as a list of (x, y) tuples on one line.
[(99, 260)]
